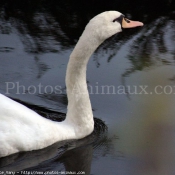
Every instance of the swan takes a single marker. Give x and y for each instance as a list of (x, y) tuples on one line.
[(22, 129)]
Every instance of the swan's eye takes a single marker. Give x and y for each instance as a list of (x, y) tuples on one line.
[(119, 19)]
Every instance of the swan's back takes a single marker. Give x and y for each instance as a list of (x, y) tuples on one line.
[(22, 129)]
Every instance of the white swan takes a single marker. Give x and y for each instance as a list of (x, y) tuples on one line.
[(22, 129)]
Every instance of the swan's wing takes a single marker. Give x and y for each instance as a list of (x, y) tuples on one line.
[(21, 129)]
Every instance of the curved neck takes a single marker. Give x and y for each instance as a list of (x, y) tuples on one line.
[(79, 107)]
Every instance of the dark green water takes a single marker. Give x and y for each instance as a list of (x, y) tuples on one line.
[(131, 80)]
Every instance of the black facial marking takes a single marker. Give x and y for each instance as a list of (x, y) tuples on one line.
[(119, 19), (127, 20)]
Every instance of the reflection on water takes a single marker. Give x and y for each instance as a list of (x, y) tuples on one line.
[(36, 39)]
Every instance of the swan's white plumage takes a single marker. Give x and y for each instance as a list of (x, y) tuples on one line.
[(21, 129)]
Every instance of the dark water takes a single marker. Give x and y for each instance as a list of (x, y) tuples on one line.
[(131, 80)]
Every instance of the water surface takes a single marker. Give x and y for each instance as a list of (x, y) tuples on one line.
[(131, 81)]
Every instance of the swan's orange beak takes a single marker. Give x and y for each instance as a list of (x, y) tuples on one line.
[(126, 23)]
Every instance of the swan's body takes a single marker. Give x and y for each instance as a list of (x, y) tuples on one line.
[(21, 129)]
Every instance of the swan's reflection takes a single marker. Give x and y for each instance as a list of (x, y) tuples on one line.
[(59, 157)]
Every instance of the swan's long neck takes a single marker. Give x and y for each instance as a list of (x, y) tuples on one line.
[(79, 107)]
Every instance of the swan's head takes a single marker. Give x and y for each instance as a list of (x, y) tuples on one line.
[(109, 23)]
